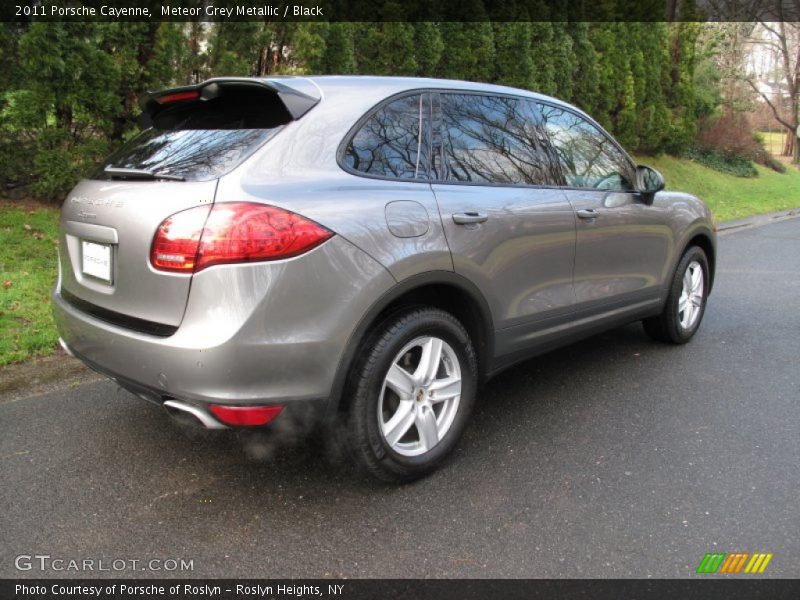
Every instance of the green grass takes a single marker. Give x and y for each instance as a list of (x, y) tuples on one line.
[(28, 236), (730, 197)]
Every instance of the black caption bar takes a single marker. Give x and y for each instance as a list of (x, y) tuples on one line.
[(394, 10), (397, 589)]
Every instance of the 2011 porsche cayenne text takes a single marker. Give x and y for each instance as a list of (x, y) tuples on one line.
[(371, 248)]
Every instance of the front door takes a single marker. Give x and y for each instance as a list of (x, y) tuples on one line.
[(623, 243)]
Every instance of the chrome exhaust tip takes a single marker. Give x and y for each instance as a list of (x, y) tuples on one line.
[(195, 413), (64, 347)]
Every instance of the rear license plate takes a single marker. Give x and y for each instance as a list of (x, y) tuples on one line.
[(96, 260)]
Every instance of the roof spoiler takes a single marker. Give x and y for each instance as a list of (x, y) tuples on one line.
[(298, 95)]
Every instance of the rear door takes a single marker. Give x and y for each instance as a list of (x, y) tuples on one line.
[(510, 231), (108, 222), (623, 243)]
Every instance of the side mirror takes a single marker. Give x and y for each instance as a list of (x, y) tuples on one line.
[(648, 182)]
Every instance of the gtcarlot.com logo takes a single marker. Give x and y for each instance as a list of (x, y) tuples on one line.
[(45, 562), (734, 563)]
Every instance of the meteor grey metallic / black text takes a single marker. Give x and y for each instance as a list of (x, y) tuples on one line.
[(368, 250)]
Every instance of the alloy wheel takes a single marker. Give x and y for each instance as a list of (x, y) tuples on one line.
[(692, 296), (420, 396)]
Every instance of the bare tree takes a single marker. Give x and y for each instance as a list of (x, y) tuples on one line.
[(726, 53), (780, 42)]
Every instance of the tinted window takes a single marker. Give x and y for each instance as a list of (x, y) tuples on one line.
[(588, 157), (203, 140), (194, 154), (390, 141), (490, 139)]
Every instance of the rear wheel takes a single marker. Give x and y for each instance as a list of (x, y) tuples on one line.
[(411, 392), (686, 302)]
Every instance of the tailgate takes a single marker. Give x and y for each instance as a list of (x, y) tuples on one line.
[(107, 228)]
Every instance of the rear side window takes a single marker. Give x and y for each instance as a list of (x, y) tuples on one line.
[(491, 139), (389, 143), (588, 157), (200, 140)]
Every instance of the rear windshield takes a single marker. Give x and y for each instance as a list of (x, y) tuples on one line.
[(201, 140)]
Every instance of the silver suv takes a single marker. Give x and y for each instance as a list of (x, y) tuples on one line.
[(364, 249)]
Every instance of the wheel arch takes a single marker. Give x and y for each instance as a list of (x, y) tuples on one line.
[(704, 241), (440, 289)]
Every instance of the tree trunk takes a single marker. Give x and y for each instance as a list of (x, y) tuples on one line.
[(672, 11), (796, 108), (195, 32), (261, 66), (788, 144)]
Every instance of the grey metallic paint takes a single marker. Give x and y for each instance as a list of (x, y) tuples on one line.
[(256, 332)]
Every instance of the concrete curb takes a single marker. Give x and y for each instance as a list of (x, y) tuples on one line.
[(42, 375), (758, 220)]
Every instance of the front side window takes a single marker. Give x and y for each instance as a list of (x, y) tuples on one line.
[(588, 157), (389, 143), (491, 139)]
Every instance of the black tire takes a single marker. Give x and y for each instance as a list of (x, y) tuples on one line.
[(667, 326), (365, 439)]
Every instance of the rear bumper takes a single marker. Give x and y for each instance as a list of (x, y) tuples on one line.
[(265, 333), (297, 416)]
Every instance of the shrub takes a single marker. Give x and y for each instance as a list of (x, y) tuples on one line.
[(37, 156), (724, 162), (771, 162), (16, 159), (728, 144), (58, 168)]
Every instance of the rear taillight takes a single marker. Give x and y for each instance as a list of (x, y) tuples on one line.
[(231, 232), (177, 240)]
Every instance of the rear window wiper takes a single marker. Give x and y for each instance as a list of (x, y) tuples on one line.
[(124, 173)]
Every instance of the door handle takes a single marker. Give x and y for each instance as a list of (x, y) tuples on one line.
[(587, 213), (469, 217)]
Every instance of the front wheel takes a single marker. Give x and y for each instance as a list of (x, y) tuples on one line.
[(686, 302), (411, 392)]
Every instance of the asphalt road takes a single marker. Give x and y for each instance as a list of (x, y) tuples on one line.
[(615, 457)]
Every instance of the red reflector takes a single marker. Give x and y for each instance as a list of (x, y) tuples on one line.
[(232, 232), (179, 97), (245, 416)]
